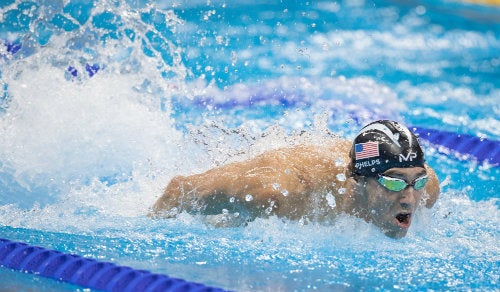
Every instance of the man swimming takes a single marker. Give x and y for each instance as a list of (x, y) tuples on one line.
[(380, 177)]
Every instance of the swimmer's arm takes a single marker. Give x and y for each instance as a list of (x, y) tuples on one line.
[(184, 193), (283, 176), (254, 181), (432, 187)]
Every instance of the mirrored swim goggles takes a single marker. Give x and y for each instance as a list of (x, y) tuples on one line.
[(397, 184)]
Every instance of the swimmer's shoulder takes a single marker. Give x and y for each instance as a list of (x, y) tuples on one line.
[(432, 188)]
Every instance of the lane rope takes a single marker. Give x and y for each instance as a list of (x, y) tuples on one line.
[(88, 273), (484, 150)]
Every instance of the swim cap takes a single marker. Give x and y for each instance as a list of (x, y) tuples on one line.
[(382, 145)]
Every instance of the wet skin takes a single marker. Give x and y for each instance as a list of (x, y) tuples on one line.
[(308, 174), (391, 211)]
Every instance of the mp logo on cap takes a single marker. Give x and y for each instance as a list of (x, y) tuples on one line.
[(409, 157)]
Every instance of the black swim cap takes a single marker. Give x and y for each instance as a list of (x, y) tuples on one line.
[(382, 145)]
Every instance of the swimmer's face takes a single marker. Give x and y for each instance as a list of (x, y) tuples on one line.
[(392, 211)]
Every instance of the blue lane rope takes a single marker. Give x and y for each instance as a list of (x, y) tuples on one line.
[(482, 149), (86, 272)]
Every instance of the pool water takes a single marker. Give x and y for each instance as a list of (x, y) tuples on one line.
[(103, 102)]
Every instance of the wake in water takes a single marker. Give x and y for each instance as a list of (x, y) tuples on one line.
[(76, 124)]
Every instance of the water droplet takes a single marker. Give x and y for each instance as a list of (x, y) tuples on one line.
[(269, 210), (330, 199), (276, 186), (420, 10), (341, 191), (248, 198), (341, 177), (232, 199), (284, 192), (219, 39)]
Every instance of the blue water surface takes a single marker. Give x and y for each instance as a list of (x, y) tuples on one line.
[(103, 102)]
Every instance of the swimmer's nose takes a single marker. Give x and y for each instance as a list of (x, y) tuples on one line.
[(408, 200), (405, 206)]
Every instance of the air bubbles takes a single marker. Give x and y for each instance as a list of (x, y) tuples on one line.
[(284, 192), (341, 191), (248, 198)]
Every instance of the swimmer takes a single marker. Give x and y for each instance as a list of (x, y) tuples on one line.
[(380, 177)]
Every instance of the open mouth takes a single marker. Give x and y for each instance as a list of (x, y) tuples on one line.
[(403, 220)]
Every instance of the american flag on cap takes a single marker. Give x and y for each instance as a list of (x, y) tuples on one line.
[(366, 150)]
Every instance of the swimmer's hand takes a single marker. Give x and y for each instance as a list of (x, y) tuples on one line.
[(167, 206)]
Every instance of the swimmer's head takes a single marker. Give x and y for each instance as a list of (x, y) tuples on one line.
[(382, 145)]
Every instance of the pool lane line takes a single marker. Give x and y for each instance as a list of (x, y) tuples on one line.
[(483, 149), (88, 273)]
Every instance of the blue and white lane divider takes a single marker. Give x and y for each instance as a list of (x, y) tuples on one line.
[(484, 150), (88, 273)]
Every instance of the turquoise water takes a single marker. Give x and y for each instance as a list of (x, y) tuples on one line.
[(179, 87)]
